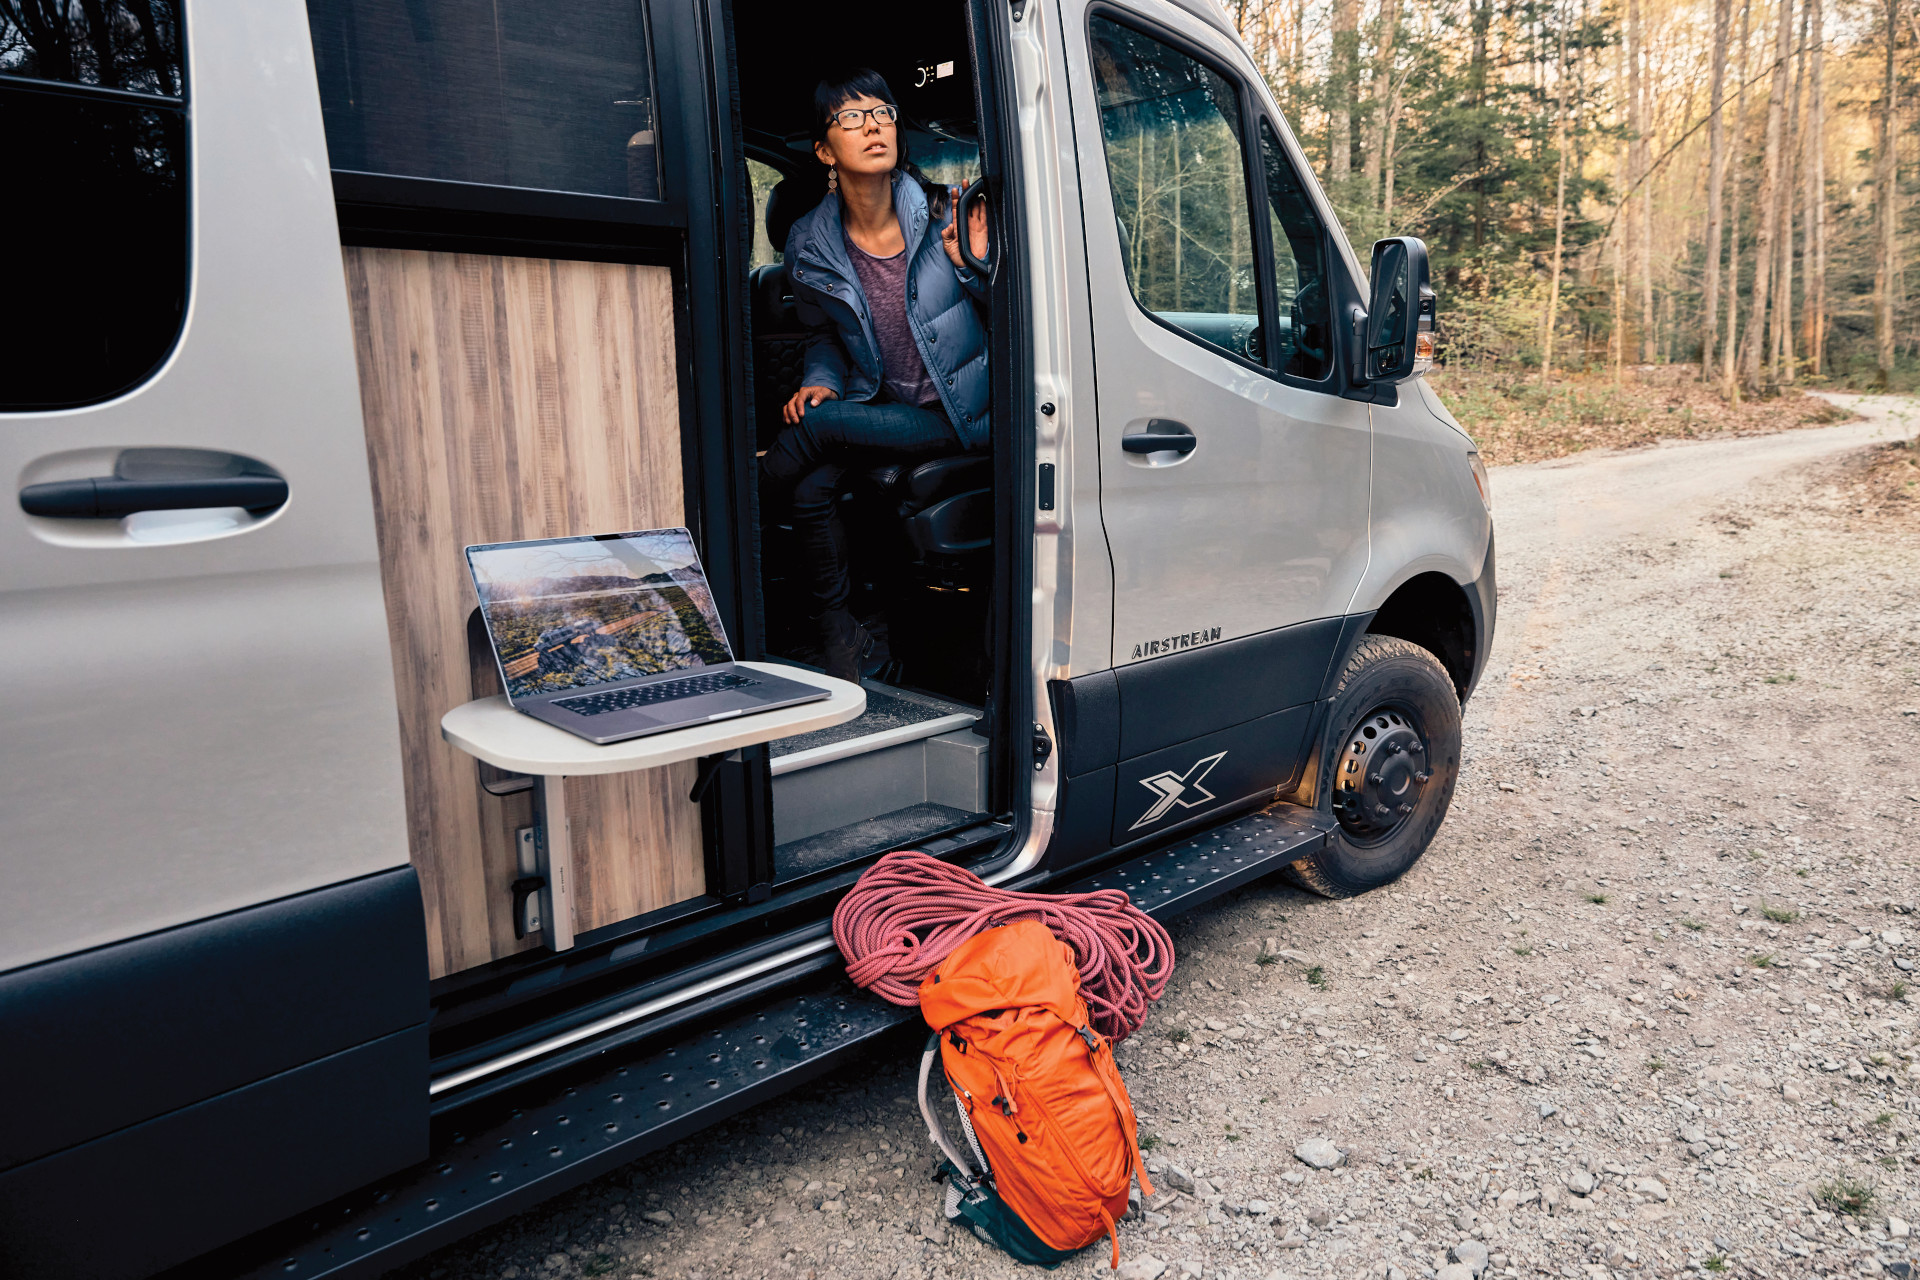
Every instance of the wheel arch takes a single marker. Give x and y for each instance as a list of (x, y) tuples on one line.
[(1433, 611)]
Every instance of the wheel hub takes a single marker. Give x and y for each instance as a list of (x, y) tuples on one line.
[(1381, 774)]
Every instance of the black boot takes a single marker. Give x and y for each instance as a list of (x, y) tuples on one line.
[(846, 644)]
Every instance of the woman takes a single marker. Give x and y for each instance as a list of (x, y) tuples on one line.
[(897, 369)]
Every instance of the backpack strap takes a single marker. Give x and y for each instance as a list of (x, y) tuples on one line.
[(1094, 1043), (1113, 1234), (935, 1130)]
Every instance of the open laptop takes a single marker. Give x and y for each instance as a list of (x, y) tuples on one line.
[(615, 636)]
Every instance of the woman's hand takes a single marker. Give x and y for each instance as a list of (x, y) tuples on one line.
[(804, 399), (976, 232)]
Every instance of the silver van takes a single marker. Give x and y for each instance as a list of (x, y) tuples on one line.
[(307, 297)]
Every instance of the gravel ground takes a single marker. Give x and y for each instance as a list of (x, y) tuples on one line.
[(1640, 1010)]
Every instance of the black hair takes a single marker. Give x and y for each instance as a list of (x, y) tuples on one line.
[(836, 91)]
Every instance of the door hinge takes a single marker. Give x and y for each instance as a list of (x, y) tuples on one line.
[(1042, 747), (1019, 9)]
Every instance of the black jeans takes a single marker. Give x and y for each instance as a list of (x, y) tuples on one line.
[(810, 459)]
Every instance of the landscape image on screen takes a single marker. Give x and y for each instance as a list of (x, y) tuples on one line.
[(582, 611)]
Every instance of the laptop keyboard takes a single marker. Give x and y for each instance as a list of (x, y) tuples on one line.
[(645, 695)]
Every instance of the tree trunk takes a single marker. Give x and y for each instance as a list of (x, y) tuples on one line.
[(1382, 86), (1340, 85), (1730, 386), (1886, 169), (1640, 226), (1482, 11), (1393, 132), (1753, 348), (1559, 205), (1783, 282), (1716, 187), (1814, 326)]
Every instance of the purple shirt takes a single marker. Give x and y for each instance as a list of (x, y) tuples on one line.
[(884, 282)]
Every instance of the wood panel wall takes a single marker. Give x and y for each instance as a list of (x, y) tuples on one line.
[(505, 399)]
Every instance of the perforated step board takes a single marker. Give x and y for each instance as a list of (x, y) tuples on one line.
[(1181, 876), (503, 1160)]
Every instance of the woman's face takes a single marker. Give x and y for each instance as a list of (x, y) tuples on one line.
[(871, 148)]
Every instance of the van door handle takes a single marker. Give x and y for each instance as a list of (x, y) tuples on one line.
[(109, 497), (1161, 436)]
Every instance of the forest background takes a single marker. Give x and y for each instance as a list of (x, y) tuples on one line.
[(1646, 217)]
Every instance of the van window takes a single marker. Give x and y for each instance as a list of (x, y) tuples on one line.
[(1178, 171), (93, 109), (1303, 345), (505, 93), (763, 178)]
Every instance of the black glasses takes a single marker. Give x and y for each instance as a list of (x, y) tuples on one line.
[(854, 118)]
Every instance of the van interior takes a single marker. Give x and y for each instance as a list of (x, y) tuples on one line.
[(915, 764)]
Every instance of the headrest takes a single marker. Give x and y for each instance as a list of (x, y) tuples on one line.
[(787, 203)]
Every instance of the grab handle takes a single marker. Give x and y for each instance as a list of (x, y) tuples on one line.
[(984, 268)]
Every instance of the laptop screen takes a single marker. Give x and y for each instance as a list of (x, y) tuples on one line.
[(570, 613)]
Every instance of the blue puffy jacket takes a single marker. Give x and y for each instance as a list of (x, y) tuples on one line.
[(844, 354)]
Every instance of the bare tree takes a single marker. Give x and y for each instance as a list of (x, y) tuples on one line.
[(1640, 226), (1340, 84), (1783, 281), (1559, 204), (1730, 386), (1752, 348), (1886, 171), (1716, 186), (1383, 94), (1814, 259)]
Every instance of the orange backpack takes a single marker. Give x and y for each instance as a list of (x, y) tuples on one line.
[(1048, 1121)]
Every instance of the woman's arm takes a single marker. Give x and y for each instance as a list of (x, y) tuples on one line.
[(825, 369)]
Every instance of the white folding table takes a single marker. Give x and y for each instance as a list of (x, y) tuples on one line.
[(491, 730)]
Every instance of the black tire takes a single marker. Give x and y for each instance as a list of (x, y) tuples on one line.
[(1388, 764)]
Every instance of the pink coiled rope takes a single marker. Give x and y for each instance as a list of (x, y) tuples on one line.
[(909, 911)]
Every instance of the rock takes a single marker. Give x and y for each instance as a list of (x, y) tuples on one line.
[(1548, 1109), (1317, 1152), (1319, 1217), (1144, 1267), (1293, 1240), (933, 1227), (1789, 1093), (1894, 938), (1898, 1228), (1652, 1188), (1191, 1269), (661, 1216), (1508, 1199), (1454, 1271), (1903, 964), (1471, 1254), (1580, 1182), (1259, 1208), (1177, 1178)]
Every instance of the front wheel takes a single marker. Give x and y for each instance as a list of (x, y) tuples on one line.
[(1388, 765)]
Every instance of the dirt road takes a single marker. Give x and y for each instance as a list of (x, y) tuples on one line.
[(1640, 1010)]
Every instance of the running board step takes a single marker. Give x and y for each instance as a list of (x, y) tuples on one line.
[(495, 1159), (1178, 878)]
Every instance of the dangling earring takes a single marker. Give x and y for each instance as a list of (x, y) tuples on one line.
[(833, 179)]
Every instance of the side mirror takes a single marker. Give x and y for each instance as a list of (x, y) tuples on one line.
[(1399, 327)]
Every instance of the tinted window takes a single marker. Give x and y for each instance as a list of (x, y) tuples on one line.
[(94, 224), (511, 93), (1303, 345), (1178, 172)]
